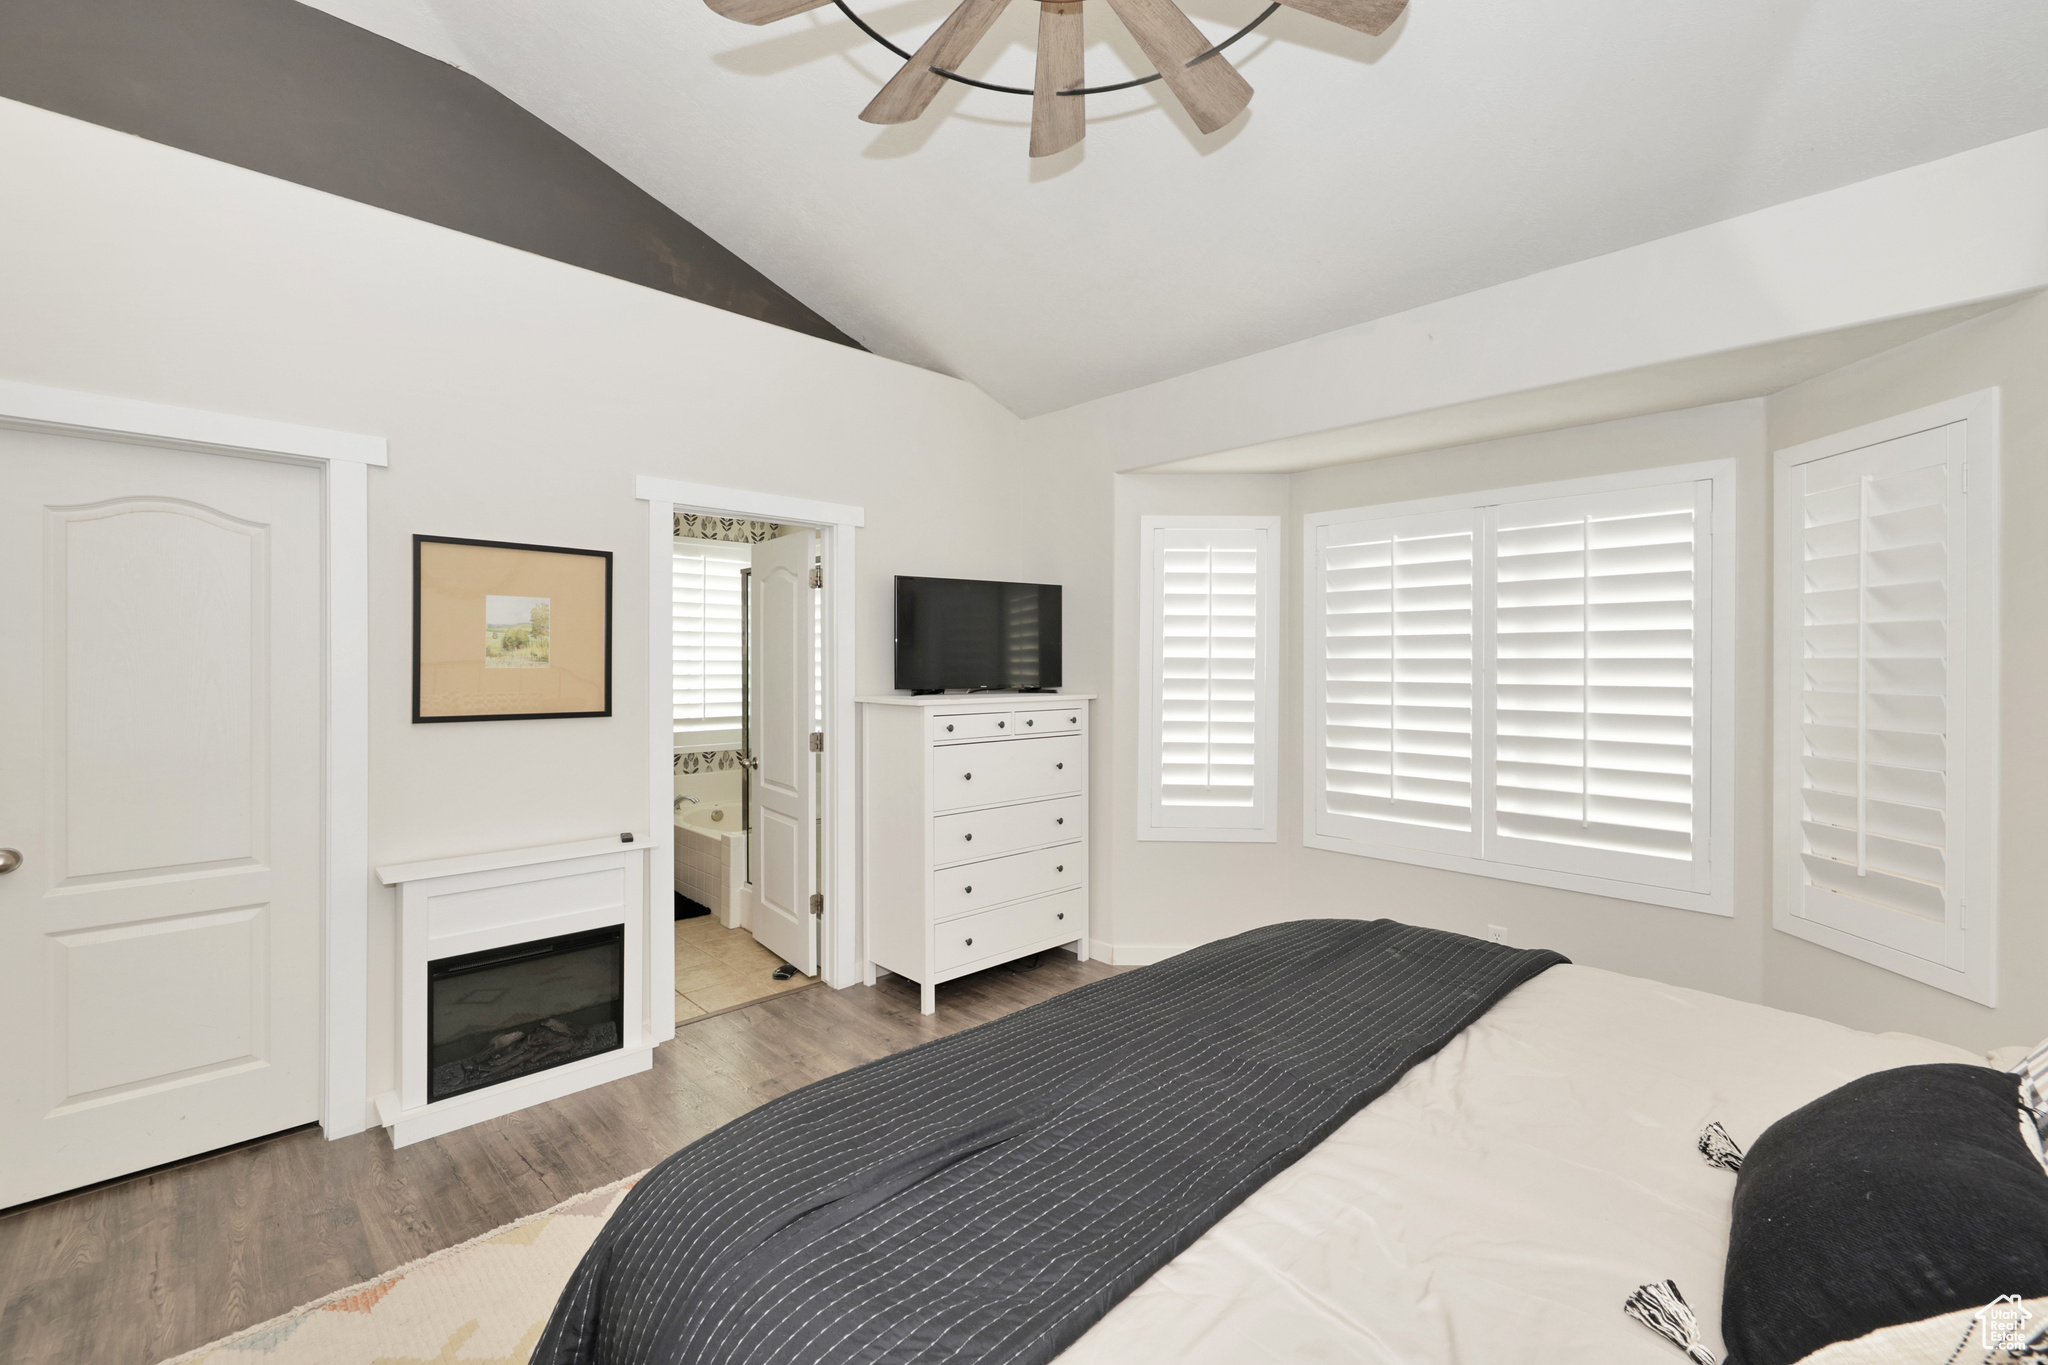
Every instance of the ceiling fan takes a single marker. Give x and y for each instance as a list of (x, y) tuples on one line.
[(1200, 77)]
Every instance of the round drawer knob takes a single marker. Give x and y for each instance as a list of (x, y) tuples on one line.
[(1061, 820), (949, 729), (970, 890), (1062, 915), (1059, 765), (969, 777), (1001, 724), (1061, 868), (970, 838), (970, 943)]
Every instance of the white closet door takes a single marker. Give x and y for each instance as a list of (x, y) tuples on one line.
[(1599, 651), (1873, 714), (160, 702), (1392, 710)]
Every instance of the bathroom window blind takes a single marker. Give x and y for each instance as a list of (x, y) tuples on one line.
[(1397, 620), (1520, 684), (1880, 530), (1209, 691), (705, 644)]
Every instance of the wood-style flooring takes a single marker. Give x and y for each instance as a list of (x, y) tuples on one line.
[(136, 1272)]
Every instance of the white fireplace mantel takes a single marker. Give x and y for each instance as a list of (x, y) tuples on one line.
[(482, 901)]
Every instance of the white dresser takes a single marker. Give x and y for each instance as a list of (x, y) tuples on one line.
[(974, 829)]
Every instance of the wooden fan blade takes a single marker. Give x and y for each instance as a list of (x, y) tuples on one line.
[(1212, 92), (1058, 121), (762, 11), (1367, 16), (910, 90)]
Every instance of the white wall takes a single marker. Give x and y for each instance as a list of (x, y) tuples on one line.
[(520, 397), (2008, 349), (1964, 229)]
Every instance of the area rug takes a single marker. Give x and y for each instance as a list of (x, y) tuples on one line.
[(483, 1302)]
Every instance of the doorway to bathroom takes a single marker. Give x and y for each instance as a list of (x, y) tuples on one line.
[(748, 698), (759, 685)]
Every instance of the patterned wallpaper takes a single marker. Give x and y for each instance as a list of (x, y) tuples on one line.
[(712, 761), (690, 526)]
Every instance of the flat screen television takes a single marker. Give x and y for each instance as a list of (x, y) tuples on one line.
[(967, 633)]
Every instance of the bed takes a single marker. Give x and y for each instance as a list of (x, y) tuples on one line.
[(1493, 1187)]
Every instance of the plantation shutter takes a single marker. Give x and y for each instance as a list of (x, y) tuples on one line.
[(1880, 545), (1393, 600), (705, 646), (1206, 598), (1599, 659)]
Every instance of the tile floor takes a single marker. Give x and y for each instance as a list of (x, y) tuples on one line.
[(718, 968)]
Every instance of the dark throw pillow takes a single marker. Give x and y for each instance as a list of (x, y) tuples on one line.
[(1900, 1196)]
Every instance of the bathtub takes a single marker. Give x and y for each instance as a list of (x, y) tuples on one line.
[(711, 860)]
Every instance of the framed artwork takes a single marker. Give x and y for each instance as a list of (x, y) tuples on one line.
[(509, 632)]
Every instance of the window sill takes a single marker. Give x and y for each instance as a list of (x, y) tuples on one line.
[(1719, 901)]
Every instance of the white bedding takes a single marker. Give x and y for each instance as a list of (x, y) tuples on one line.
[(1502, 1200)]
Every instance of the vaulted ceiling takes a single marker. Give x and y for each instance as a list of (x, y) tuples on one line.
[(1477, 141)]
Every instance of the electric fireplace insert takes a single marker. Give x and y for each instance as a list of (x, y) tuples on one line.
[(509, 1012)]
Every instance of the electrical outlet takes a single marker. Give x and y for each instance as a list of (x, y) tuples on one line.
[(1497, 933)]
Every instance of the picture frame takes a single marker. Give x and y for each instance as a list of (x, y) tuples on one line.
[(503, 630)]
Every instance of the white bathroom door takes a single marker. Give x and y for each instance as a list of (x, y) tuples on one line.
[(785, 786), (160, 780)]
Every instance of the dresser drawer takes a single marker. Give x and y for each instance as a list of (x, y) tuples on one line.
[(1004, 829), (1069, 720), (1003, 932), (980, 725), (999, 771), (968, 887)]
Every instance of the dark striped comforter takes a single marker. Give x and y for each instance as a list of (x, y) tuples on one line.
[(986, 1197)]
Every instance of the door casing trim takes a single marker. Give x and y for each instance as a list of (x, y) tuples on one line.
[(838, 928)]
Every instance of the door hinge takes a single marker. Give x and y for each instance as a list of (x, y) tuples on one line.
[(817, 741), (817, 576), (817, 902)]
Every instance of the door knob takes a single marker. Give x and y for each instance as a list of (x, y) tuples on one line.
[(10, 858)]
